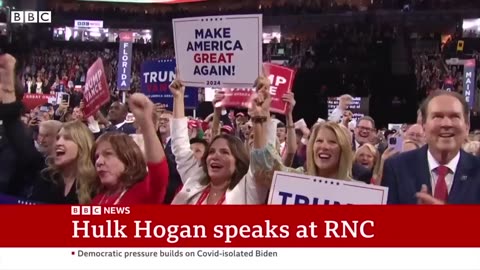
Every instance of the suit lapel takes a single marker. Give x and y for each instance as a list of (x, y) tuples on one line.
[(422, 170), (460, 178)]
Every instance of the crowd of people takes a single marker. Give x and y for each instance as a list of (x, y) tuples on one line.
[(267, 7), (141, 153), (339, 48), (433, 72)]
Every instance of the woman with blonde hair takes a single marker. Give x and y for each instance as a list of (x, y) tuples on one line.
[(329, 154), (70, 173), (368, 156)]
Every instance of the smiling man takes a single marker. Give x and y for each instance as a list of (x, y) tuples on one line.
[(364, 131), (440, 172)]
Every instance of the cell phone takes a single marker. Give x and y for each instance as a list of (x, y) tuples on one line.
[(44, 109), (396, 143), (66, 98)]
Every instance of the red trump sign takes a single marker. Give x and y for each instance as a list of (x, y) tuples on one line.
[(281, 82)]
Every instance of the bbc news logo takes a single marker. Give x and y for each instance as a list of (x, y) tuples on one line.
[(30, 16), (86, 210), (99, 210)]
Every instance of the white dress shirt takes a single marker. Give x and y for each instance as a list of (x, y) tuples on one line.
[(433, 165), (336, 115), (119, 125)]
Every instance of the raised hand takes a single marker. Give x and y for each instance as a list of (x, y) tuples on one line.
[(389, 152), (259, 105), (141, 107), (217, 99), (290, 100), (7, 78), (176, 87)]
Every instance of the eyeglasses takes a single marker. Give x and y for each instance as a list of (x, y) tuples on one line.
[(365, 128)]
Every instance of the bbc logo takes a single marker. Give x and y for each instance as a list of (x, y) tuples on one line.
[(30, 16), (86, 210)]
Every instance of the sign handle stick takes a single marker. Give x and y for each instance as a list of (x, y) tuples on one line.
[(124, 97), (195, 113)]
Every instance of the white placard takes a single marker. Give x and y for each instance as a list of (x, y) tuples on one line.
[(291, 188), (219, 51)]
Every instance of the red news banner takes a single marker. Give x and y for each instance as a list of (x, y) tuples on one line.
[(240, 226)]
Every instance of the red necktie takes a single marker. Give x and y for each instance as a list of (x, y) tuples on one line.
[(441, 189)]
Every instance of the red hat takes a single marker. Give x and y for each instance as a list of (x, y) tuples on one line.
[(192, 124), (204, 124), (227, 129)]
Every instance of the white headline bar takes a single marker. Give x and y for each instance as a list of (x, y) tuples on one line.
[(235, 258)]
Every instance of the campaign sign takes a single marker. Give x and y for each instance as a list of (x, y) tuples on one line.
[(157, 75), (96, 93), (291, 188), (124, 72), (469, 82), (281, 80), (219, 51), (33, 100)]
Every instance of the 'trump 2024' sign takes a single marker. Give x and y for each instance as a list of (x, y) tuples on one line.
[(156, 76), (290, 188), (219, 51), (281, 81)]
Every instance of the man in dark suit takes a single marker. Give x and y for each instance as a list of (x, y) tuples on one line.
[(440, 172), (174, 180), (117, 115)]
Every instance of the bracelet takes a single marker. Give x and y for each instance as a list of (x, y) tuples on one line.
[(291, 126), (259, 119)]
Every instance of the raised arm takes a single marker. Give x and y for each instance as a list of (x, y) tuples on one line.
[(187, 165), (142, 108), (291, 143), (217, 112), (255, 185), (21, 161)]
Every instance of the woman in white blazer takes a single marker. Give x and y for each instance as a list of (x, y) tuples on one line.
[(225, 175)]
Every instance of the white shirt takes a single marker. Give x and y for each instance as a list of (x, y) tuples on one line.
[(282, 148), (93, 125), (336, 115), (120, 125), (357, 144), (433, 165)]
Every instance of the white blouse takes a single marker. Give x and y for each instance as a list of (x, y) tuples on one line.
[(247, 191)]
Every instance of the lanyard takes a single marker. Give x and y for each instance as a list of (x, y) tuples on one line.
[(104, 200), (205, 194)]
